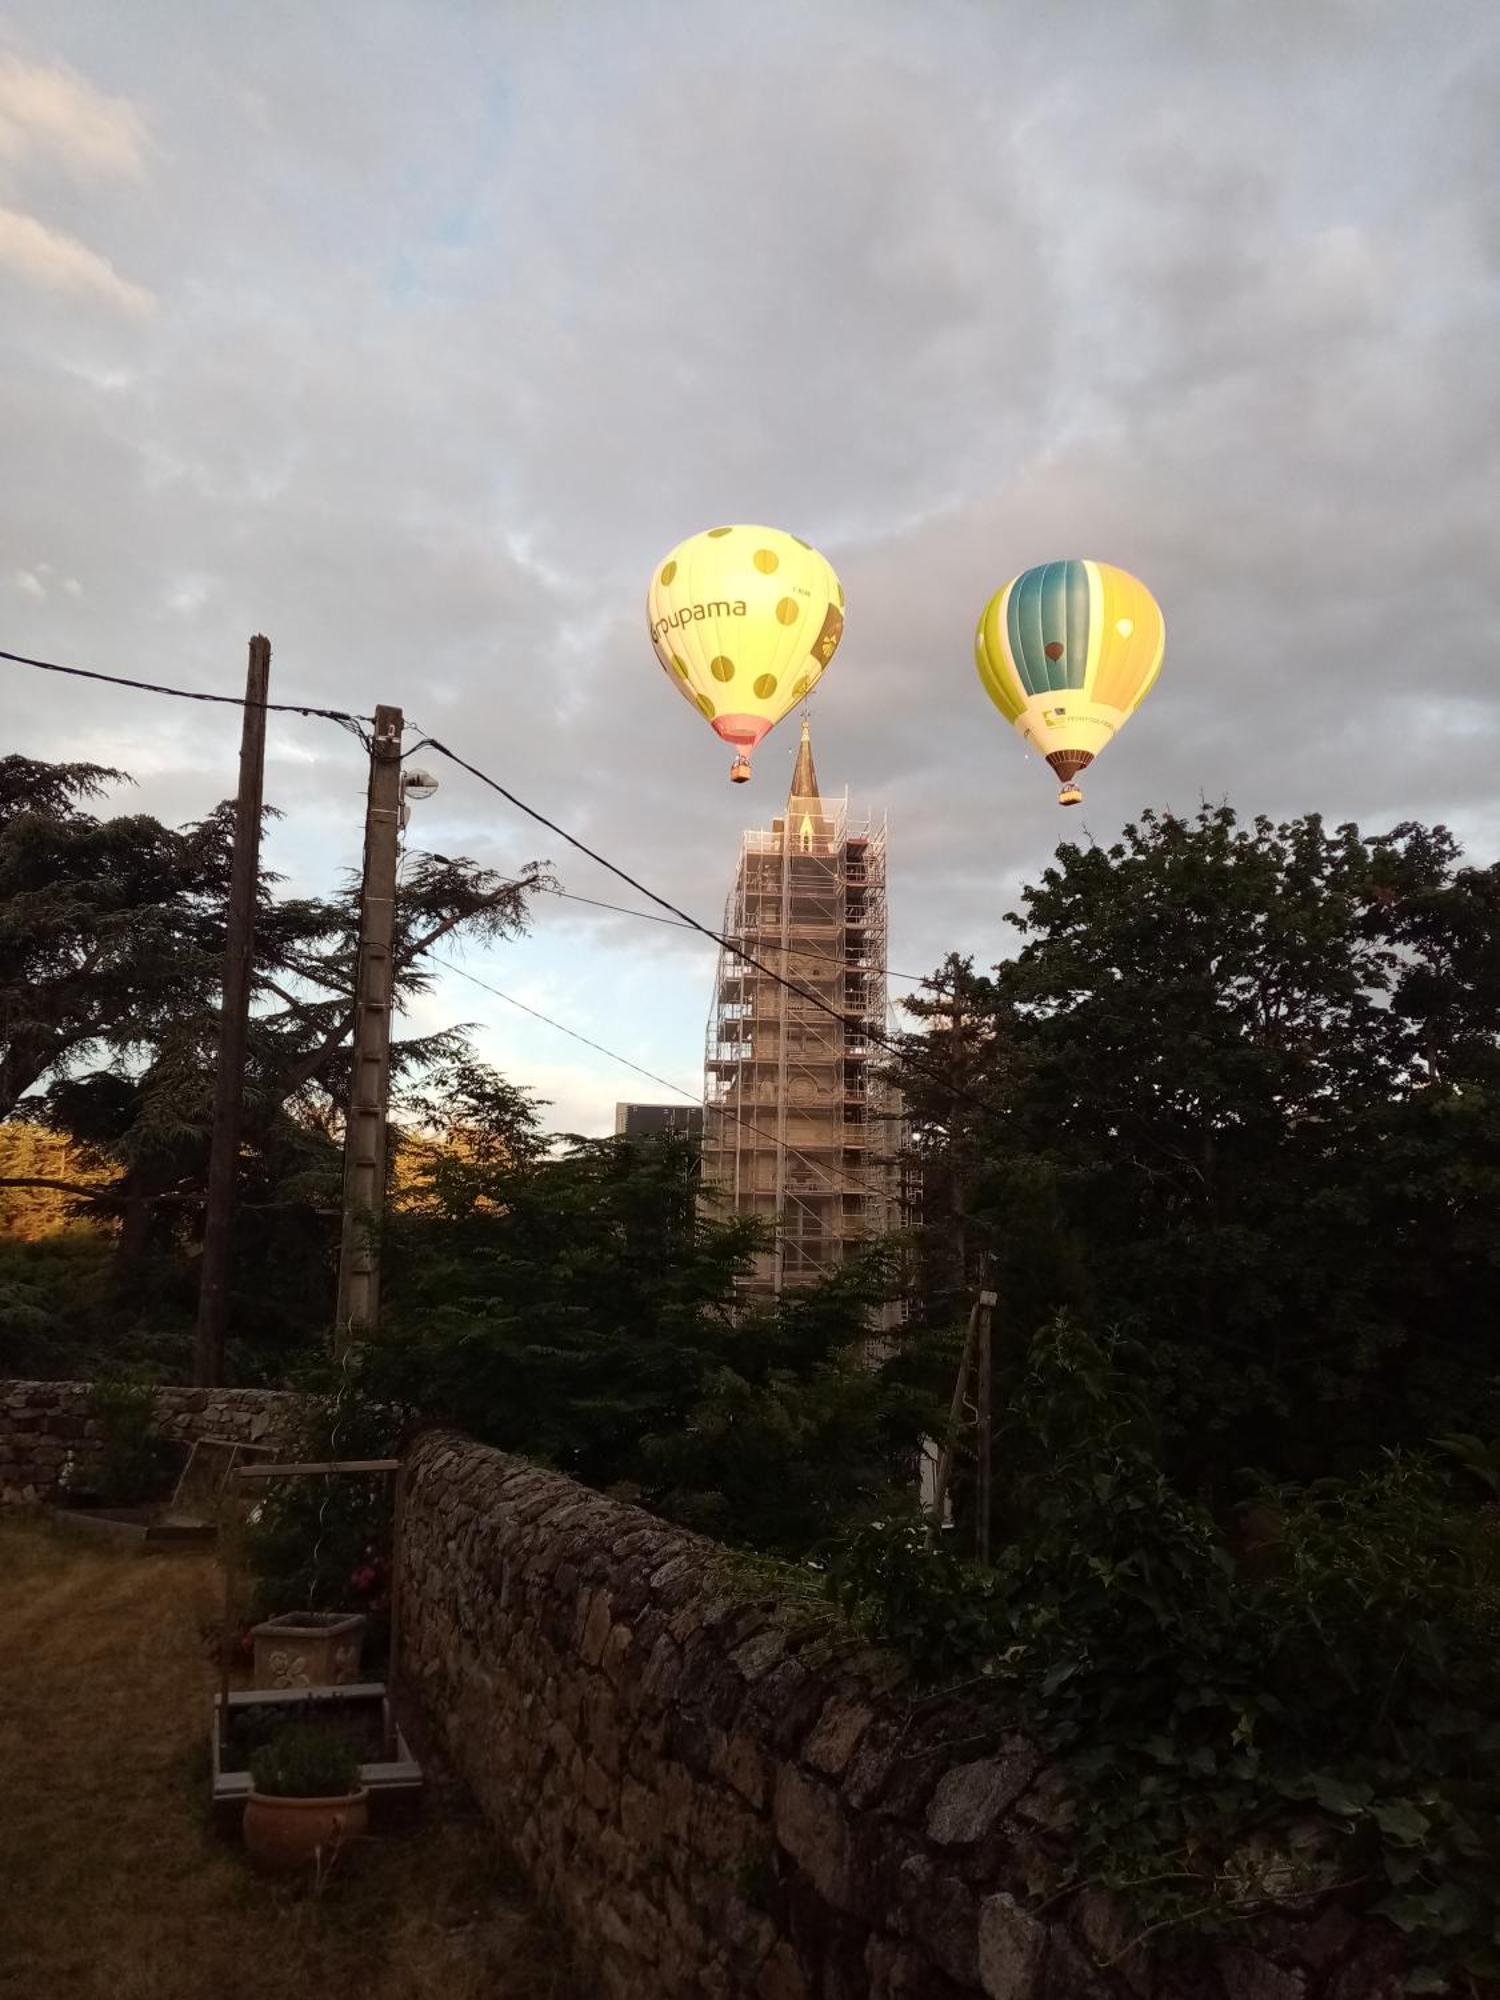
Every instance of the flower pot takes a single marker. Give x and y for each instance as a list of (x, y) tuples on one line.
[(308, 1649), (293, 1833)]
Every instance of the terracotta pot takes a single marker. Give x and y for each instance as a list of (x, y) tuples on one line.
[(308, 1649), (291, 1833)]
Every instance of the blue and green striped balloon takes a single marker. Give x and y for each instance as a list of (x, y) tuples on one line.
[(1067, 652)]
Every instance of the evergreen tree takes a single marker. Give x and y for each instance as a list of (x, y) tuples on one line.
[(111, 956)]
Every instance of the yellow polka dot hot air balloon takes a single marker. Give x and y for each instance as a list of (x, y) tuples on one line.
[(1067, 652), (744, 620)]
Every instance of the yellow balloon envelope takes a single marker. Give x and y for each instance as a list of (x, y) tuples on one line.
[(1067, 652), (744, 620)]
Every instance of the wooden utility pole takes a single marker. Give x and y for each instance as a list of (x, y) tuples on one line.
[(234, 1024), (370, 1074)]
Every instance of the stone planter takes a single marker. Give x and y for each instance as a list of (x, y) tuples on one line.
[(301, 1649), (292, 1833)]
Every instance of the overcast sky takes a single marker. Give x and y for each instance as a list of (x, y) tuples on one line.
[(413, 334)]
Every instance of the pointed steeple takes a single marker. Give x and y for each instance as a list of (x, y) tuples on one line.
[(805, 775)]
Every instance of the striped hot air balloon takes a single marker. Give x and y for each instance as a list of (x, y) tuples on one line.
[(1067, 652), (744, 620)]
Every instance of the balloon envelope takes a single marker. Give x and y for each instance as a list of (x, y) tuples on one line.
[(744, 620), (1067, 652)]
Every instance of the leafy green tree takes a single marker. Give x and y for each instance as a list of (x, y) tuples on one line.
[(1244, 1096), (578, 1307)]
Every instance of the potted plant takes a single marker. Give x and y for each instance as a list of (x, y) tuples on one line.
[(305, 1798)]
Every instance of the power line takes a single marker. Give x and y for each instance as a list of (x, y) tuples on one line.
[(793, 951), (351, 721), (187, 694), (956, 1091), (678, 924), (884, 1194)]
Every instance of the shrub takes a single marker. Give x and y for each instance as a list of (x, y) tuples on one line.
[(1243, 1740), (324, 1544), (130, 1465), (305, 1761)]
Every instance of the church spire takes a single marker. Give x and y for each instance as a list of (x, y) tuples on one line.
[(805, 775)]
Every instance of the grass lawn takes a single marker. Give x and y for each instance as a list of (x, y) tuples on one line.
[(113, 1886)]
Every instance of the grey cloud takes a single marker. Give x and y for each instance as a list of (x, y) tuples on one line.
[(464, 321)]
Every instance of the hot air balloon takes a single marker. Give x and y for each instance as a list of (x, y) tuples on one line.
[(1067, 652), (744, 620)]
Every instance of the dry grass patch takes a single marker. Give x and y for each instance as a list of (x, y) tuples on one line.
[(114, 1886)]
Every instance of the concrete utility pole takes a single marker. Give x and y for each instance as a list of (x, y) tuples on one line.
[(369, 1084), (234, 1022)]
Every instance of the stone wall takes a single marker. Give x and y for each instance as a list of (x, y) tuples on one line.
[(43, 1423), (722, 1794)]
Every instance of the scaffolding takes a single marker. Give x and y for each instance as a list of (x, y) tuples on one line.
[(800, 1127)]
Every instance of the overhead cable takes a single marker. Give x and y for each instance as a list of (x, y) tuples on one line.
[(186, 694), (844, 1175), (956, 1091)]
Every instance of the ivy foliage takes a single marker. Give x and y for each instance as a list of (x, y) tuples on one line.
[(1253, 1719)]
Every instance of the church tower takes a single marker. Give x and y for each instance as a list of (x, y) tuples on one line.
[(797, 1129)]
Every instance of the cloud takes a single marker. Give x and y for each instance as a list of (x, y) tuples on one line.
[(49, 113), (54, 262), (474, 316)]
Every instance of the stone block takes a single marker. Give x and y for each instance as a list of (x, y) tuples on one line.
[(836, 1734), (757, 1655), (726, 1836), (971, 1798), (1012, 1950), (739, 1760), (642, 1817), (784, 1704), (946, 1921), (1247, 1975), (781, 1977), (810, 1827), (1048, 1804)]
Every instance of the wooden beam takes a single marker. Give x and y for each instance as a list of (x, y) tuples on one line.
[(307, 1471)]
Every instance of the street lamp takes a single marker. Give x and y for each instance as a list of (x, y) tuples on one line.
[(416, 785)]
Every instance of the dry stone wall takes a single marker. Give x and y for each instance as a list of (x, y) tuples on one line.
[(722, 1795), (45, 1424)]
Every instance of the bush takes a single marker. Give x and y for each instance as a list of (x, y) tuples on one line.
[(324, 1544), (1243, 1738), (131, 1466), (304, 1761)]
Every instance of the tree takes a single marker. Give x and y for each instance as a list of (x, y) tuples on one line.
[(111, 954), (579, 1307), (1245, 1105), (958, 1051)]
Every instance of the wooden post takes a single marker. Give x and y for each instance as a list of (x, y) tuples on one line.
[(226, 1641), (985, 1400), (955, 1412), (234, 1021), (393, 1656), (369, 1083)]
